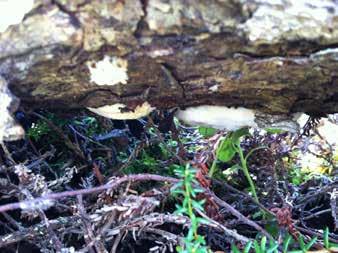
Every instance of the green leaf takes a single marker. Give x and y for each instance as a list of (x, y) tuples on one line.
[(301, 243), (234, 249), (197, 205), (257, 248), (247, 247), (286, 243), (273, 246), (309, 245), (235, 136), (207, 131), (263, 243), (226, 150), (272, 249), (178, 192)]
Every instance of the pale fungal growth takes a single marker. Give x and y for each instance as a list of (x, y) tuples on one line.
[(114, 111), (231, 119), (108, 71), (13, 11), (220, 117), (160, 52), (213, 88)]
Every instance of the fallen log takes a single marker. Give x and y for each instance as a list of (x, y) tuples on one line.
[(123, 59)]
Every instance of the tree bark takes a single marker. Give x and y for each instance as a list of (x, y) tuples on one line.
[(276, 57)]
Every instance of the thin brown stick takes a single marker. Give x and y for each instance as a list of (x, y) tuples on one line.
[(89, 236), (237, 214), (245, 195), (226, 231), (36, 203), (314, 233)]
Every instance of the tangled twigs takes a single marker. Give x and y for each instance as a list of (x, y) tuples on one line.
[(244, 194), (226, 231), (62, 224), (237, 214), (38, 202), (89, 237), (333, 203)]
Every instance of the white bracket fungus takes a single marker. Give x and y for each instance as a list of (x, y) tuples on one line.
[(114, 111), (220, 117), (231, 119), (108, 71)]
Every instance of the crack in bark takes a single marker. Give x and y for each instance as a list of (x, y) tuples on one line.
[(170, 71), (141, 22), (285, 55), (72, 14)]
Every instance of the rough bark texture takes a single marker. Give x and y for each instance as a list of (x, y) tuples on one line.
[(277, 57)]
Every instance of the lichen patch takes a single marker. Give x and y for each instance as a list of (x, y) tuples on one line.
[(108, 71)]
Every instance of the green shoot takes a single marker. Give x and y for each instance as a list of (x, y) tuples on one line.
[(193, 242)]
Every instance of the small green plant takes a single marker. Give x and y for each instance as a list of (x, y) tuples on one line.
[(207, 131), (259, 247), (272, 247), (186, 188), (38, 129), (88, 125), (150, 160), (41, 128), (327, 244), (227, 149), (303, 247)]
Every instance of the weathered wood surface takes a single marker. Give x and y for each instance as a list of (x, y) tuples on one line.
[(277, 57)]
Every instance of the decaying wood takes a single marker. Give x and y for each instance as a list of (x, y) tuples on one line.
[(277, 57)]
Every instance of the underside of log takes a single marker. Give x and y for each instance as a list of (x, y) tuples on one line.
[(275, 57)]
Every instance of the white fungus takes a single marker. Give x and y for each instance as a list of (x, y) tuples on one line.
[(220, 117), (108, 71), (213, 88), (114, 111)]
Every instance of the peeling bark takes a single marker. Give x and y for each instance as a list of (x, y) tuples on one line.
[(276, 57)]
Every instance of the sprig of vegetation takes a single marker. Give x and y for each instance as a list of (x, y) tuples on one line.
[(227, 149), (263, 246), (38, 129), (186, 188)]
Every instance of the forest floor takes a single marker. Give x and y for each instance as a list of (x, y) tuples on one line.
[(87, 184)]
